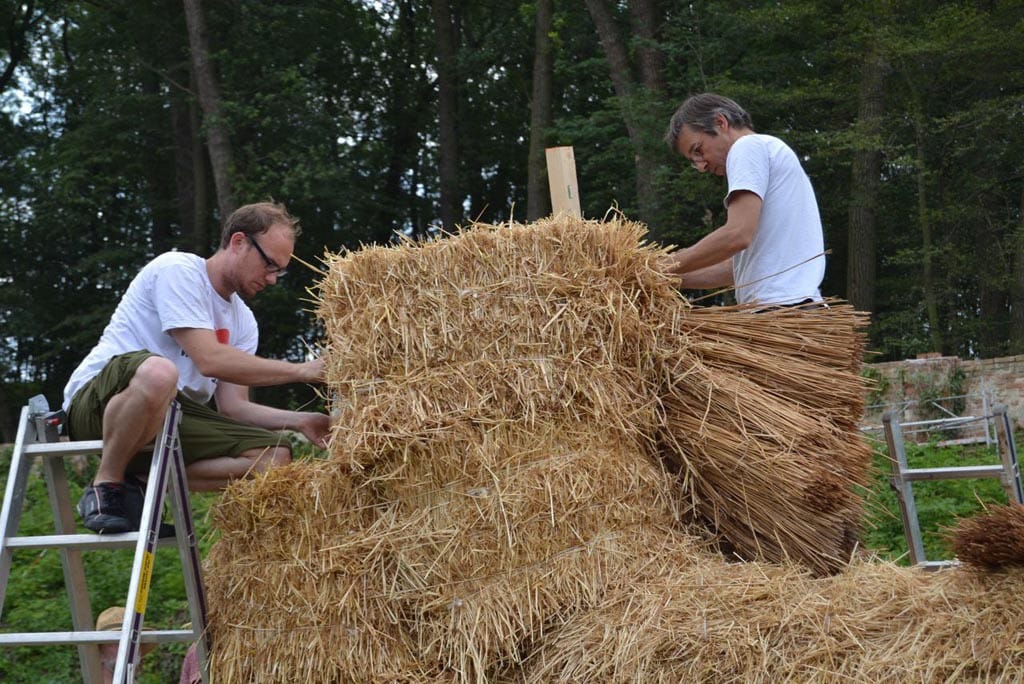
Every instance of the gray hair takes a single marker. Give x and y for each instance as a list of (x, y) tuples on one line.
[(700, 112)]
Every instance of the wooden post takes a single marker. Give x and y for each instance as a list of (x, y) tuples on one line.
[(565, 196)]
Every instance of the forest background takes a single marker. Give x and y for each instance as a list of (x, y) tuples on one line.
[(129, 127)]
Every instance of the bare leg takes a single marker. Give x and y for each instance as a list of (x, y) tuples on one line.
[(214, 474), (134, 416)]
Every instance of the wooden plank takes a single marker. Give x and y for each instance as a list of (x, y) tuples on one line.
[(565, 196)]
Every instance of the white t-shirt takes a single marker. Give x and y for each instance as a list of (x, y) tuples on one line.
[(771, 269), (171, 291)]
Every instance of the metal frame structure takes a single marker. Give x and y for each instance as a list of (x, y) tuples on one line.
[(903, 476)]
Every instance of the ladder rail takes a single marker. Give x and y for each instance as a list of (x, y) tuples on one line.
[(188, 552), (71, 559), (1008, 452), (14, 498), (902, 486)]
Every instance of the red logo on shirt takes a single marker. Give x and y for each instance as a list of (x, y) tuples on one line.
[(223, 334)]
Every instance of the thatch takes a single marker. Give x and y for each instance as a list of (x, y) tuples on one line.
[(992, 540), (711, 621), (536, 437)]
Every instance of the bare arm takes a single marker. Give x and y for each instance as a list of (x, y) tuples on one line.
[(717, 275), (230, 364), (714, 250), (233, 401)]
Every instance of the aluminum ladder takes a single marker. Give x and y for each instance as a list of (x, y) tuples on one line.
[(38, 436), (903, 476)]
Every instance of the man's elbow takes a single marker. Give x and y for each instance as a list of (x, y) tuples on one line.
[(206, 367), (739, 240)]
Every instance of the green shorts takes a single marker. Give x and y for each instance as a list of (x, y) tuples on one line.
[(203, 432)]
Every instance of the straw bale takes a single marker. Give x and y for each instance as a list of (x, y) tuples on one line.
[(566, 322), (750, 622), (515, 530), (297, 583), (548, 322), (378, 425), (992, 540)]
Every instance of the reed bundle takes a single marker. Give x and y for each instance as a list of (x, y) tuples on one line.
[(992, 540)]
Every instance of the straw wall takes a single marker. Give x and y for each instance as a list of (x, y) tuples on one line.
[(540, 453)]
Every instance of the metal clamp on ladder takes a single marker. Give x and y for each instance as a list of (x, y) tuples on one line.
[(903, 476), (37, 436)]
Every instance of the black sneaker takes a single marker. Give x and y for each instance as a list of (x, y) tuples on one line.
[(103, 508), (135, 498)]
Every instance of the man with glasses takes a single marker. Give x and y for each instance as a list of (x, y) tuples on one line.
[(771, 246), (182, 330)]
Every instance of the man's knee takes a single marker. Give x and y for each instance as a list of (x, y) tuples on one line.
[(269, 457), (156, 376)]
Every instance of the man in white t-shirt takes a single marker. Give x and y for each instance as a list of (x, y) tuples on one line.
[(771, 247), (182, 330)]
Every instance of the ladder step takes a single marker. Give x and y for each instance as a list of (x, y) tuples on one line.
[(64, 448), (123, 540), (953, 473), (110, 636)]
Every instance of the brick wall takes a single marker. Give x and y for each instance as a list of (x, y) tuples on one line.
[(920, 380)]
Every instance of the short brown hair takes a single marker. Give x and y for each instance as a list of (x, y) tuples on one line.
[(255, 219)]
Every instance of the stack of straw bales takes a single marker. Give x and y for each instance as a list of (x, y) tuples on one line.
[(540, 448)]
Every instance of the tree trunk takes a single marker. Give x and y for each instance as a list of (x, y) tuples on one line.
[(447, 111), (217, 139), (1017, 287), (184, 179), (401, 137), (157, 192), (866, 181), (638, 105), (190, 175), (925, 224), (650, 58), (538, 199)]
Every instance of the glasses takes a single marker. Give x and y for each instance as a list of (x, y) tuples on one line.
[(272, 266), (696, 155)]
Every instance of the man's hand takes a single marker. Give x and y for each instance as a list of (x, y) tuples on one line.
[(314, 370), (316, 427), (671, 264)]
